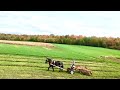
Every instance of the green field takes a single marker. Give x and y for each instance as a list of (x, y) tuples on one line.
[(28, 62)]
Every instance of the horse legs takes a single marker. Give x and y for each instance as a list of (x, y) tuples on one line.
[(53, 68), (48, 68), (60, 69)]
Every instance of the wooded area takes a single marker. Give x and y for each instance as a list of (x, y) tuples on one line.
[(106, 42)]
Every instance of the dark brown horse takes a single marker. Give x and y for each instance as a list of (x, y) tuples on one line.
[(53, 63)]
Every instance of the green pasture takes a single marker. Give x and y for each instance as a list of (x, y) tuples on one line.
[(28, 62)]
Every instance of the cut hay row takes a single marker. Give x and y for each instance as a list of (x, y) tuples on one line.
[(30, 68), (48, 45)]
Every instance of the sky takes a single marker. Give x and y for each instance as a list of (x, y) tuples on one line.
[(86, 23)]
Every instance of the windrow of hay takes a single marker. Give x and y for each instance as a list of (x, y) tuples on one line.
[(47, 45), (113, 58)]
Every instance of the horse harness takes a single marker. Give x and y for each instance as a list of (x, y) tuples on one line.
[(53, 64)]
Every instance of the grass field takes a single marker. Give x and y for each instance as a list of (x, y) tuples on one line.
[(28, 62)]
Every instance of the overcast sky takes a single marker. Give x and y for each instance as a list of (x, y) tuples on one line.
[(88, 23)]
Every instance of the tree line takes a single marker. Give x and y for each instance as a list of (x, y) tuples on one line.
[(105, 42)]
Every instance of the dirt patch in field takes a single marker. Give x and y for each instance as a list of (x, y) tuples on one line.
[(47, 45)]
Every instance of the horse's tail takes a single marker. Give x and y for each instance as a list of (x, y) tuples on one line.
[(62, 65)]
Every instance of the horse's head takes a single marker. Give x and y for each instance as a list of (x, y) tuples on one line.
[(48, 60)]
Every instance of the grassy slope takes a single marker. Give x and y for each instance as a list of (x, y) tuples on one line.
[(28, 62), (61, 51)]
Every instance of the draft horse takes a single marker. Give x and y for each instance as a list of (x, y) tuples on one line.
[(53, 63)]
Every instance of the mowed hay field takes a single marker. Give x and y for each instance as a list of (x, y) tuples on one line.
[(28, 62)]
